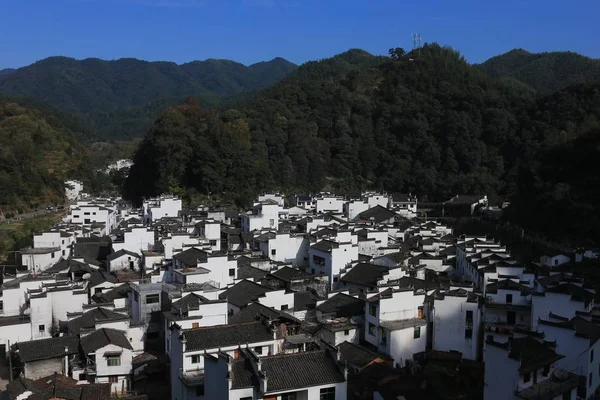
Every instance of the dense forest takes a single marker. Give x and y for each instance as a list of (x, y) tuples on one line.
[(120, 99), (38, 151), (543, 72), (427, 122)]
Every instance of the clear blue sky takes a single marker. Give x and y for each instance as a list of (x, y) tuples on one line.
[(249, 31)]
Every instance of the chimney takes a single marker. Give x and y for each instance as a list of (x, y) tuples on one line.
[(183, 342), (66, 361)]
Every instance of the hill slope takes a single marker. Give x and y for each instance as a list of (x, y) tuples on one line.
[(37, 152), (545, 72), (119, 98)]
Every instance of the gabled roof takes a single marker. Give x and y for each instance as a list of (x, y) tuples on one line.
[(342, 305), (121, 253), (120, 292), (377, 214), (214, 337), (300, 370), (44, 349), (325, 245), (358, 355), (581, 327), (191, 256), (103, 337), (530, 353), (305, 301), (576, 292), (265, 237), (192, 300), (288, 274), (255, 311), (98, 277), (89, 318), (243, 293), (250, 272), (365, 274), (507, 284)]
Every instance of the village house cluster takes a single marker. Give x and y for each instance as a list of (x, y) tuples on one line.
[(325, 296)]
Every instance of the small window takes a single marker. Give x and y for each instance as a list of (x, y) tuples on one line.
[(335, 279), (152, 298), (196, 359), (63, 242), (327, 394), (346, 332), (41, 328), (135, 296), (273, 252), (527, 377), (417, 333), (258, 350), (231, 271), (592, 355), (509, 298), (82, 377), (195, 325), (373, 309), (288, 396), (284, 307), (271, 222), (63, 252), (546, 371), (200, 390), (97, 290), (468, 333), (312, 271), (113, 379), (113, 361), (52, 255), (371, 329)]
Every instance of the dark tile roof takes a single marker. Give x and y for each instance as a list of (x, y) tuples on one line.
[(122, 252), (19, 386), (242, 375), (576, 292), (191, 301), (305, 301), (96, 391), (325, 245), (250, 272), (365, 274), (243, 293), (92, 249), (288, 274), (213, 337), (403, 323), (377, 214), (89, 318), (104, 337), (342, 305), (191, 256), (44, 349), (69, 265), (529, 352), (265, 237), (506, 284), (254, 311), (119, 292), (98, 277), (397, 257), (300, 370), (358, 355)]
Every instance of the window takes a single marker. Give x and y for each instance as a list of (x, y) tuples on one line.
[(527, 377), (284, 307), (246, 398), (383, 337), (200, 390), (590, 380), (468, 333), (509, 298), (335, 279), (113, 361), (371, 329), (231, 271), (417, 333), (373, 309), (152, 298), (63, 242), (546, 371), (469, 318), (113, 379), (288, 396), (135, 296), (346, 332), (82, 377), (273, 252), (63, 252), (592, 355), (98, 290), (556, 263), (86, 213), (196, 359), (52, 255), (41, 328), (258, 350), (312, 271), (271, 222), (327, 394), (195, 325)]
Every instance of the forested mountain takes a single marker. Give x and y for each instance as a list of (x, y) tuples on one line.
[(544, 72), (38, 151), (6, 71), (121, 98), (432, 125)]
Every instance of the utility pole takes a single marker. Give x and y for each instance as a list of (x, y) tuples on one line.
[(10, 371)]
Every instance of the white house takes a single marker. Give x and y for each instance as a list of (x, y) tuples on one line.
[(110, 354), (304, 375), (163, 206), (396, 323), (522, 368), (456, 322), (190, 347), (264, 215), (554, 260), (330, 203), (278, 198), (123, 259), (84, 213), (329, 257), (404, 204), (54, 239), (40, 259), (284, 247), (134, 239)]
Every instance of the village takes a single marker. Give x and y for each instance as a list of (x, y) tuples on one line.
[(314, 296)]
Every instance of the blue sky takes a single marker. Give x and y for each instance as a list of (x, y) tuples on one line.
[(249, 31)]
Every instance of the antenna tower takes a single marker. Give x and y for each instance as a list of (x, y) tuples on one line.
[(417, 42)]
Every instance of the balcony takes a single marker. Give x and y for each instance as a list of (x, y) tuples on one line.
[(192, 378)]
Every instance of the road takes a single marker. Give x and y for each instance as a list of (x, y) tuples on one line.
[(28, 215)]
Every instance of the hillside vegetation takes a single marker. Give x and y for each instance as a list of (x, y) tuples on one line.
[(434, 126), (544, 72), (120, 99), (38, 151)]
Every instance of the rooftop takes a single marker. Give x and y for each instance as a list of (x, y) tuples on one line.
[(214, 337), (43, 349)]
